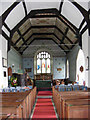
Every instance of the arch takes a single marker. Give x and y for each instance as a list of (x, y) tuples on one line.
[(80, 68)]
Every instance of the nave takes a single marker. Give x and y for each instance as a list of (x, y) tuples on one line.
[(44, 108), (44, 59), (49, 105)]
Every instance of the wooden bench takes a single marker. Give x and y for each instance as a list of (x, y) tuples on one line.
[(17, 104), (79, 109), (67, 98), (61, 98)]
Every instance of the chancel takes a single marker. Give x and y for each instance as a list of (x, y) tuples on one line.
[(44, 59)]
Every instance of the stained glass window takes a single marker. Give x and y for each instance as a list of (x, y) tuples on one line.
[(43, 65), (38, 66), (48, 65), (43, 62)]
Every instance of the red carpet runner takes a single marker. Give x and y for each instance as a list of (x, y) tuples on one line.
[(44, 93), (44, 109)]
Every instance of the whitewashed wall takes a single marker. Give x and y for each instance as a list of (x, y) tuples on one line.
[(3, 54), (15, 58), (59, 62), (89, 62), (89, 53), (29, 63), (85, 46), (72, 57)]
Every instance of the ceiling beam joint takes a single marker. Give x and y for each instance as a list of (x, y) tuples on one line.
[(6, 26), (66, 31), (81, 25), (25, 9), (21, 37)]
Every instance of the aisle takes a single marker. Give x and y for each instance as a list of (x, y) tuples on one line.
[(44, 109), (44, 93)]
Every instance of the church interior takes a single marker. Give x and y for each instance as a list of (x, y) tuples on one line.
[(44, 59)]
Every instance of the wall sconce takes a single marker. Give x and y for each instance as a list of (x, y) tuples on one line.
[(87, 63)]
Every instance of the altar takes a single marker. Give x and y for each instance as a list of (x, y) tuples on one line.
[(43, 84)]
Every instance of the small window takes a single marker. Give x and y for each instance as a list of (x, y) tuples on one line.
[(67, 69)]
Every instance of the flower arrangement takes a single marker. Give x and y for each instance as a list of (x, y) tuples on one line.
[(13, 81)]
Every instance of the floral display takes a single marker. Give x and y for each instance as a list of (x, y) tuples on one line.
[(13, 81)]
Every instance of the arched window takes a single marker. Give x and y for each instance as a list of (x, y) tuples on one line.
[(80, 68), (67, 68), (43, 62)]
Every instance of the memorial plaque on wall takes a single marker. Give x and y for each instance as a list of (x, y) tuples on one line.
[(28, 69)]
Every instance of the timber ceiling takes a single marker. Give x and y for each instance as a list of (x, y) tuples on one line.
[(45, 26), (63, 23)]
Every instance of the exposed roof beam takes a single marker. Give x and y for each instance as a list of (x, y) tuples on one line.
[(6, 26), (14, 46), (81, 25), (49, 26), (5, 14), (25, 9), (81, 9), (50, 39), (61, 4), (37, 27), (44, 16), (26, 41), (32, 15), (45, 34), (84, 29), (20, 23), (66, 31), (74, 44), (60, 41), (17, 40), (21, 37), (9, 42), (5, 35), (33, 41), (42, 11), (89, 20), (68, 23), (40, 34), (80, 41)]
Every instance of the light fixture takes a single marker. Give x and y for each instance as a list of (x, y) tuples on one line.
[(12, 65)]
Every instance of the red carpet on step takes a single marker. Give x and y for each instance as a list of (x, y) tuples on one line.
[(44, 109), (44, 93)]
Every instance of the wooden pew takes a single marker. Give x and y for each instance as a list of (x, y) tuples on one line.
[(17, 104), (60, 98), (79, 109), (14, 98), (66, 98)]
